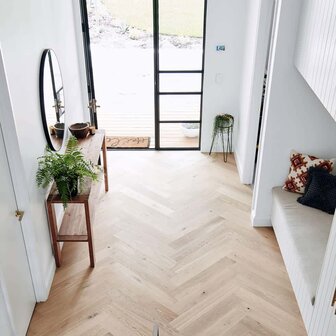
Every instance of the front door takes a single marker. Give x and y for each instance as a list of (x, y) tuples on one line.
[(16, 287), (160, 97)]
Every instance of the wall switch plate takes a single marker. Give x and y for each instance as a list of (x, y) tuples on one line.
[(219, 78), (220, 47)]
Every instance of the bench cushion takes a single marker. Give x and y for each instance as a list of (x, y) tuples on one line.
[(307, 231)]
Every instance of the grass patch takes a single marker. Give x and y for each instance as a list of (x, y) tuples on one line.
[(177, 17)]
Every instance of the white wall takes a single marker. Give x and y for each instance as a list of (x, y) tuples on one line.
[(27, 28), (294, 116), (259, 22), (315, 57), (226, 24), (5, 323)]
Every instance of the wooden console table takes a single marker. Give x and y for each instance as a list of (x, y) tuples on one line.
[(78, 217)]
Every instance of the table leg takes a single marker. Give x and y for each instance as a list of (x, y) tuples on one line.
[(105, 165), (89, 233), (53, 230)]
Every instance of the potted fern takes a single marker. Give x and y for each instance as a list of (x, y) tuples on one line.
[(67, 170)]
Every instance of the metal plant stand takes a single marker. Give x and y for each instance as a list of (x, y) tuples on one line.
[(223, 128)]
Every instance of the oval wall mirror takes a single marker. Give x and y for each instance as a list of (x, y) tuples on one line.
[(52, 99)]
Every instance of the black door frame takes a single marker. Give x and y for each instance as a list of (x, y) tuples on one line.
[(157, 72), (88, 61)]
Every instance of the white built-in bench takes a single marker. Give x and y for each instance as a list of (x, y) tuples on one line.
[(302, 233)]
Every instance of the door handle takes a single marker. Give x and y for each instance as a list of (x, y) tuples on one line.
[(19, 215), (93, 105)]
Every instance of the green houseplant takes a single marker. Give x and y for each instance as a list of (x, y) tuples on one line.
[(68, 170), (222, 122)]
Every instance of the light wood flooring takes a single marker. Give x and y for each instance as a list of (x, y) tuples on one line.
[(173, 245)]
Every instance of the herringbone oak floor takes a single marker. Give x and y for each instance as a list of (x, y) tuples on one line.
[(173, 245)]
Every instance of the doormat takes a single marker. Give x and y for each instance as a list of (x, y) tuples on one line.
[(127, 142)]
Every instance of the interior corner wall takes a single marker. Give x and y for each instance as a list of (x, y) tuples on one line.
[(225, 25), (257, 40), (26, 29), (294, 116)]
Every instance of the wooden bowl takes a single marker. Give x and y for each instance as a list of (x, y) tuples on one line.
[(80, 130)]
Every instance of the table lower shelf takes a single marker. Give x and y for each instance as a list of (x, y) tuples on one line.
[(74, 223), (73, 226)]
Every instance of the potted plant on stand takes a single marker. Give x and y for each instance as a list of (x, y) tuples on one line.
[(67, 170)]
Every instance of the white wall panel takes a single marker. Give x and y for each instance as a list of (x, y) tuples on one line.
[(316, 50)]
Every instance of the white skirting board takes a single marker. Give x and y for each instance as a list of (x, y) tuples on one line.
[(260, 222), (301, 291)]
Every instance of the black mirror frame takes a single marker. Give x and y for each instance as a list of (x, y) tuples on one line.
[(42, 102)]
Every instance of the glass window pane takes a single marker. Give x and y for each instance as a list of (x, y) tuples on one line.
[(180, 59), (179, 135), (180, 107), (181, 34), (173, 82)]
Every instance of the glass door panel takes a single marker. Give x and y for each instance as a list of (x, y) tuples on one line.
[(181, 82), (119, 47), (180, 107), (181, 34), (179, 72), (180, 59), (179, 135)]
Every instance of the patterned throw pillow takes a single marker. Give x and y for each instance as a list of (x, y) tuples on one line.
[(298, 171)]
